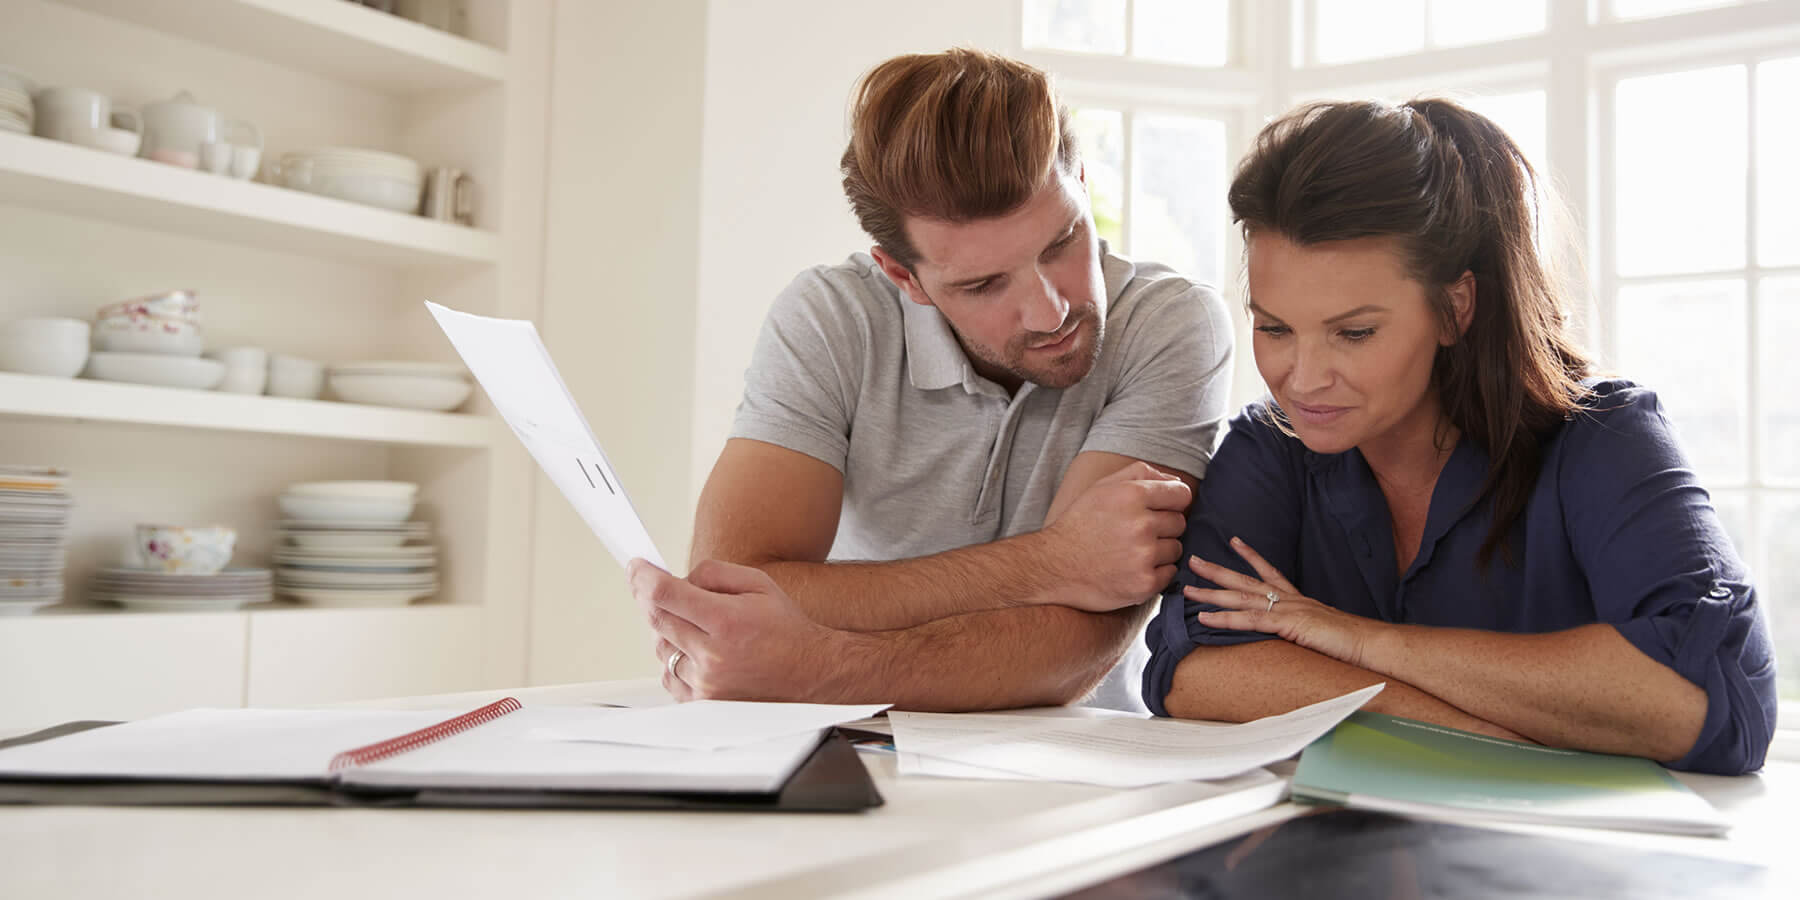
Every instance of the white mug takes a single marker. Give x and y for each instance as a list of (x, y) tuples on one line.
[(78, 115), (246, 369), (292, 376)]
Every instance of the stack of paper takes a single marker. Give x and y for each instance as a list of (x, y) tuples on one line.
[(1115, 751)]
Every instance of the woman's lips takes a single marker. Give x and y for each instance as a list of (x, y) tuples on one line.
[(1316, 415)]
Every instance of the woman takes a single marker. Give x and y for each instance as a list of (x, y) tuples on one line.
[(1439, 495)]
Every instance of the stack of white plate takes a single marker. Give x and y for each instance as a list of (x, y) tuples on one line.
[(348, 543), (149, 589), (16, 112), (410, 385), (34, 526), (370, 177)]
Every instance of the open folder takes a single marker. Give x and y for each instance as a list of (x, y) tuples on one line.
[(487, 757)]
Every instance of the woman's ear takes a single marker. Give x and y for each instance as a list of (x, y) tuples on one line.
[(1462, 306)]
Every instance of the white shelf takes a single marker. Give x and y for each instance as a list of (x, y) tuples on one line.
[(334, 38), (101, 401), (67, 178)]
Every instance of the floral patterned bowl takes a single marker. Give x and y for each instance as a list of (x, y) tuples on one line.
[(185, 551)]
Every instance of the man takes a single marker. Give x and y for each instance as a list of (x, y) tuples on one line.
[(962, 461)]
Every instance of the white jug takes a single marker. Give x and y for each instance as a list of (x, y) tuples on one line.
[(176, 130)]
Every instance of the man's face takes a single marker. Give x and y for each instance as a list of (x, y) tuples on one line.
[(1022, 291)]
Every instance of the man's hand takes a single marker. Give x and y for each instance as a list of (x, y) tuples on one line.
[(1118, 543), (739, 635)]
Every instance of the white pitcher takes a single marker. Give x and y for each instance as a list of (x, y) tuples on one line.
[(176, 130)]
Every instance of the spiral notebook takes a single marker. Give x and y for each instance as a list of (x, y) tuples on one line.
[(484, 757)]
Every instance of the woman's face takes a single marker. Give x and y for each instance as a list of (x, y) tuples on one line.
[(1344, 339)]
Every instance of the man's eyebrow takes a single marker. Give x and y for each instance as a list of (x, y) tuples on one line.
[(1074, 223)]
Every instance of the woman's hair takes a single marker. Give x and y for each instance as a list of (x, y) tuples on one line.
[(958, 135), (1456, 195)]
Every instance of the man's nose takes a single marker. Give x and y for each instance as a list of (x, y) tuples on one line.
[(1045, 309)]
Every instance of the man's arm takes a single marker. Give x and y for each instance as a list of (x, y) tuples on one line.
[(743, 638), (777, 510)]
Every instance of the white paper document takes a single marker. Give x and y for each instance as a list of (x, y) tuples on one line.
[(515, 369), (708, 724), (1112, 751)]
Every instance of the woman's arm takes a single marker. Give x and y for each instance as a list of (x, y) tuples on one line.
[(1249, 681)]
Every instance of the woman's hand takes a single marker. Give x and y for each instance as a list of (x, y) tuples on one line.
[(1273, 605)]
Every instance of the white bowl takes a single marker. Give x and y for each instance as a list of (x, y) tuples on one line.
[(157, 369), (149, 334), (291, 376), (380, 191), (354, 509), (405, 391), (54, 347), (185, 550), (180, 304), (365, 490), (434, 370)]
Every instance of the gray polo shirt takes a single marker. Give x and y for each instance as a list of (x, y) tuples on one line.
[(935, 456)]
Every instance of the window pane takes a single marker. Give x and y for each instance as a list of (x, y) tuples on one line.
[(1777, 325), (1178, 192), (1524, 116), (1641, 9), (1686, 342), (1102, 136), (1456, 22), (1778, 586), (1089, 26), (1680, 185), (1778, 163), (1364, 29), (1196, 32)]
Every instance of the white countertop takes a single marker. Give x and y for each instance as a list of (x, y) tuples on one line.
[(934, 837)]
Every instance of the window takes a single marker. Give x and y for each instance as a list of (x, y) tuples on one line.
[(1706, 284), (1668, 125)]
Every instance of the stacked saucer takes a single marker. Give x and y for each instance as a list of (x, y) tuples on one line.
[(347, 543), (149, 589), (34, 525)]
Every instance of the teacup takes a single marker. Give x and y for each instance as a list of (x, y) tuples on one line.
[(186, 551), (292, 376), (76, 115), (246, 369)]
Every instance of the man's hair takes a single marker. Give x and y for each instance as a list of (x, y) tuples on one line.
[(958, 136), (1456, 194)]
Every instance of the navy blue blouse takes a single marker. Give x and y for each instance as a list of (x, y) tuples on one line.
[(1617, 530)]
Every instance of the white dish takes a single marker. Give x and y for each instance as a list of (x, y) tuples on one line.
[(404, 391), (340, 598), (150, 603), (346, 540), (27, 607), (389, 510), (44, 346), (428, 369), (372, 490), (382, 191), (358, 580), (150, 368), (415, 551)]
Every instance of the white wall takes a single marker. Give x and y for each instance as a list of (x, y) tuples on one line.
[(621, 219)]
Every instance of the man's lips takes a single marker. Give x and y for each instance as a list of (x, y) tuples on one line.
[(1061, 342)]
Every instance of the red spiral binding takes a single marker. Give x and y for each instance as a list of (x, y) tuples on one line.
[(362, 756)]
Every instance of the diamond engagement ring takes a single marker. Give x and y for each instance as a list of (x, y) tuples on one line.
[(675, 660), (1273, 599)]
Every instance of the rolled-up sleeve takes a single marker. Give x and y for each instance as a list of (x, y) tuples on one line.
[(1251, 491), (1662, 571)]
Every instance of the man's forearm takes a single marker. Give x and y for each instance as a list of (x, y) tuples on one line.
[(1587, 688), (1242, 682), (1000, 659), (881, 596)]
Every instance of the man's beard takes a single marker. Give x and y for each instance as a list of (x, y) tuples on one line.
[(1061, 372)]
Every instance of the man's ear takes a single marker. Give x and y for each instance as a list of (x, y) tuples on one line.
[(1462, 306), (901, 276)]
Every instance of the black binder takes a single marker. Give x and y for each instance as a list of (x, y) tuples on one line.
[(832, 779)]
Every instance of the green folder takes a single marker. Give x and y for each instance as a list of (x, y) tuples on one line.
[(1381, 762)]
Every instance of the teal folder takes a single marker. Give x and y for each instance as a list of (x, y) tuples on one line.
[(1381, 762)]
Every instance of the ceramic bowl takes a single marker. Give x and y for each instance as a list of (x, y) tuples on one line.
[(168, 304), (149, 334), (186, 551), (291, 376), (404, 391), (355, 509), (50, 346), (359, 490), (156, 368)]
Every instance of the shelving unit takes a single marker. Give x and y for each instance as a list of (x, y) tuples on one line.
[(100, 401), (66, 178), (298, 274), (336, 39)]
